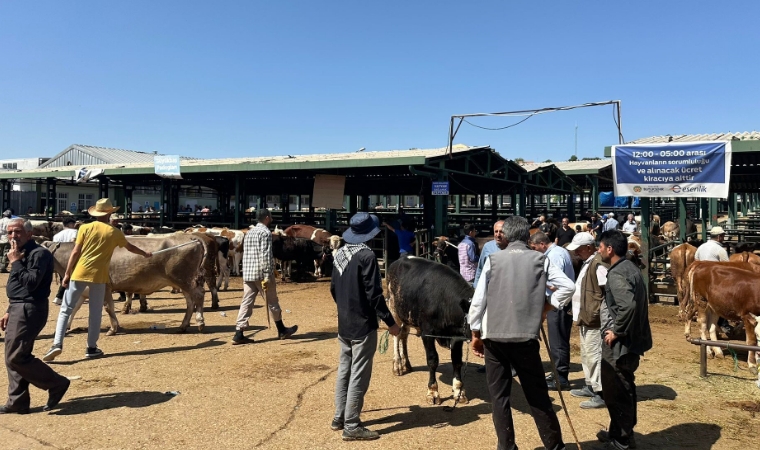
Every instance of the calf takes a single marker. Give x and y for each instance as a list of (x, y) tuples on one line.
[(721, 289), (446, 252), (433, 299), (288, 249)]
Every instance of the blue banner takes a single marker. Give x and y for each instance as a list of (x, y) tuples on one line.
[(440, 188), (689, 169)]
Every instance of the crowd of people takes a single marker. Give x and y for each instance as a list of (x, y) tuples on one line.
[(606, 299)]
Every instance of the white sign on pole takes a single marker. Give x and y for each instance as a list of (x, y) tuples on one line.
[(688, 169)]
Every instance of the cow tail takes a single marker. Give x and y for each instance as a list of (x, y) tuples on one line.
[(687, 306), (200, 277)]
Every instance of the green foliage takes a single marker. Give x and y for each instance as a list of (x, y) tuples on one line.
[(573, 158)]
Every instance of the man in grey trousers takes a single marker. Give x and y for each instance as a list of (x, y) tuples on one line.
[(358, 293)]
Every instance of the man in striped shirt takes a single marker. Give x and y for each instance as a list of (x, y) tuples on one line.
[(258, 269)]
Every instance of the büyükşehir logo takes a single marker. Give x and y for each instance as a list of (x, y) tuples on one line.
[(637, 189), (676, 189)]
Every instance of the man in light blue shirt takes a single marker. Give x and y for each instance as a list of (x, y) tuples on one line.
[(498, 243), (611, 223), (559, 321)]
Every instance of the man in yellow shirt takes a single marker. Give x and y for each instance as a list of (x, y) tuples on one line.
[(88, 268)]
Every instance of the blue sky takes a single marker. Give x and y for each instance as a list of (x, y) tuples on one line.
[(250, 78)]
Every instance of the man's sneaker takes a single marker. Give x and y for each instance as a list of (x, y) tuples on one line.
[(52, 353), (360, 434), (7, 410), (604, 436), (287, 332), (239, 338), (564, 385), (336, 425), (585, 391), (57, 301), (593, 403), (93, 352)]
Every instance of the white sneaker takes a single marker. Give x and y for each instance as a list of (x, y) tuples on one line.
[(57, 301)]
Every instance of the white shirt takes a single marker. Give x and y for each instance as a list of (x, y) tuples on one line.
[(67, 235), (711, 250), (601, 276), (629, 227), (554, 276)]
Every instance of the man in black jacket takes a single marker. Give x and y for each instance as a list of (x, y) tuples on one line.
[(358, 293), (28, 290), (626, 334)]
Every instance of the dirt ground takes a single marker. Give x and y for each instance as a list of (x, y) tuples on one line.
[(278, 394)]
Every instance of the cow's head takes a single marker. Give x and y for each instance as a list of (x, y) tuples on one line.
[(335, 242)]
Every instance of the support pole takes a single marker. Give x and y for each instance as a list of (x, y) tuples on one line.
[(595, 193), (522, 201), (703, 361), (52, 198), (681, 218), (237, 200), (732, 208), (645, 224), (745, 200), (705, 217)]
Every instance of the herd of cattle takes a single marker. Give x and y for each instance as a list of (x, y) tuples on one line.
[(423, 295)]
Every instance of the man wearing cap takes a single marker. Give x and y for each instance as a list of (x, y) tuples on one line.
[(258, 270), (358, 293), (587, 303), (611, 223), (4, 243), (713, 249), (88, 268)]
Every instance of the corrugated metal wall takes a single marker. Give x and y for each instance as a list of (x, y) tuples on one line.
[(77, 158)]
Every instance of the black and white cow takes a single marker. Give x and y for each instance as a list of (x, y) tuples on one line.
[(434, 299), (287, 249), (446, 252)]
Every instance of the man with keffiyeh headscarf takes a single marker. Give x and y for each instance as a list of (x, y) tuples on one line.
[(358, 292)]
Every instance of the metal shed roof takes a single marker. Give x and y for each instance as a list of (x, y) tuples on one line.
[(581, 167), (747, 135), (79, 155)]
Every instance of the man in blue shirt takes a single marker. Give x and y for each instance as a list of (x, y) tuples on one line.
[(559, 321), (611, 223), (498, 243), (405, 238)]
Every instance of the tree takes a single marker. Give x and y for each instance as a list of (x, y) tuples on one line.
[(548, 160), (595, 158), (573, 158), (519, 160)]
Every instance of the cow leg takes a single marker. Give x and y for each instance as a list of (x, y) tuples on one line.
[(190, 308), (127, 305), (750, 328), (432, 360), (108, 306), (224, 273), (712, 326), (143, 303), (702, 320), (456, 383), (214, 294), (400, 359)]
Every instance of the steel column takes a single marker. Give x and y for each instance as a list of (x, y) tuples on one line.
[(745, 199), (645, 224), (681, 218), (571, 207), (732, 208), (237, 200), (705, 217), (7, 185), (52, 198)]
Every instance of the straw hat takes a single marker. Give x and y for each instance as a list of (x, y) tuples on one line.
[(102, 207)]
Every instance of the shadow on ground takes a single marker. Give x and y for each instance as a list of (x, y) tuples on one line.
[(654, 392), (138, 399), (429, 417), (694, 436)]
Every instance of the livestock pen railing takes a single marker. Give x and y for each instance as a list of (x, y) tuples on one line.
[(703, 344)]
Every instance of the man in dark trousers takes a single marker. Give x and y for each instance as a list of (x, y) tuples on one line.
[(626, 334), (358, 292), (505, 317), (28, 290)]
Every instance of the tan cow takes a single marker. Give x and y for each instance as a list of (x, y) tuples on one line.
[(180, 268), (681, 258)]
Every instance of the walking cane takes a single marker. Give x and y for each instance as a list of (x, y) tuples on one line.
[(558, 387)]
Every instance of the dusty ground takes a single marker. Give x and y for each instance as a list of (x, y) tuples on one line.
[(278, 394)]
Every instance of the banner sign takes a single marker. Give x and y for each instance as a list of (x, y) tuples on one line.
[(167, 166), (440, 188), (687, 169)]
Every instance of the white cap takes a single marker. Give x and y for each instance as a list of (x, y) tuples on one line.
[(717, 231), (580, 239)]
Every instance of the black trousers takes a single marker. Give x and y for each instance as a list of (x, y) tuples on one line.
[(618, 384), (500, 358), (560, 324), (25, 321)]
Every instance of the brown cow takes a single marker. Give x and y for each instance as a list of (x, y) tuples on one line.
[(181, 268), (681, 258), (721, 289)]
